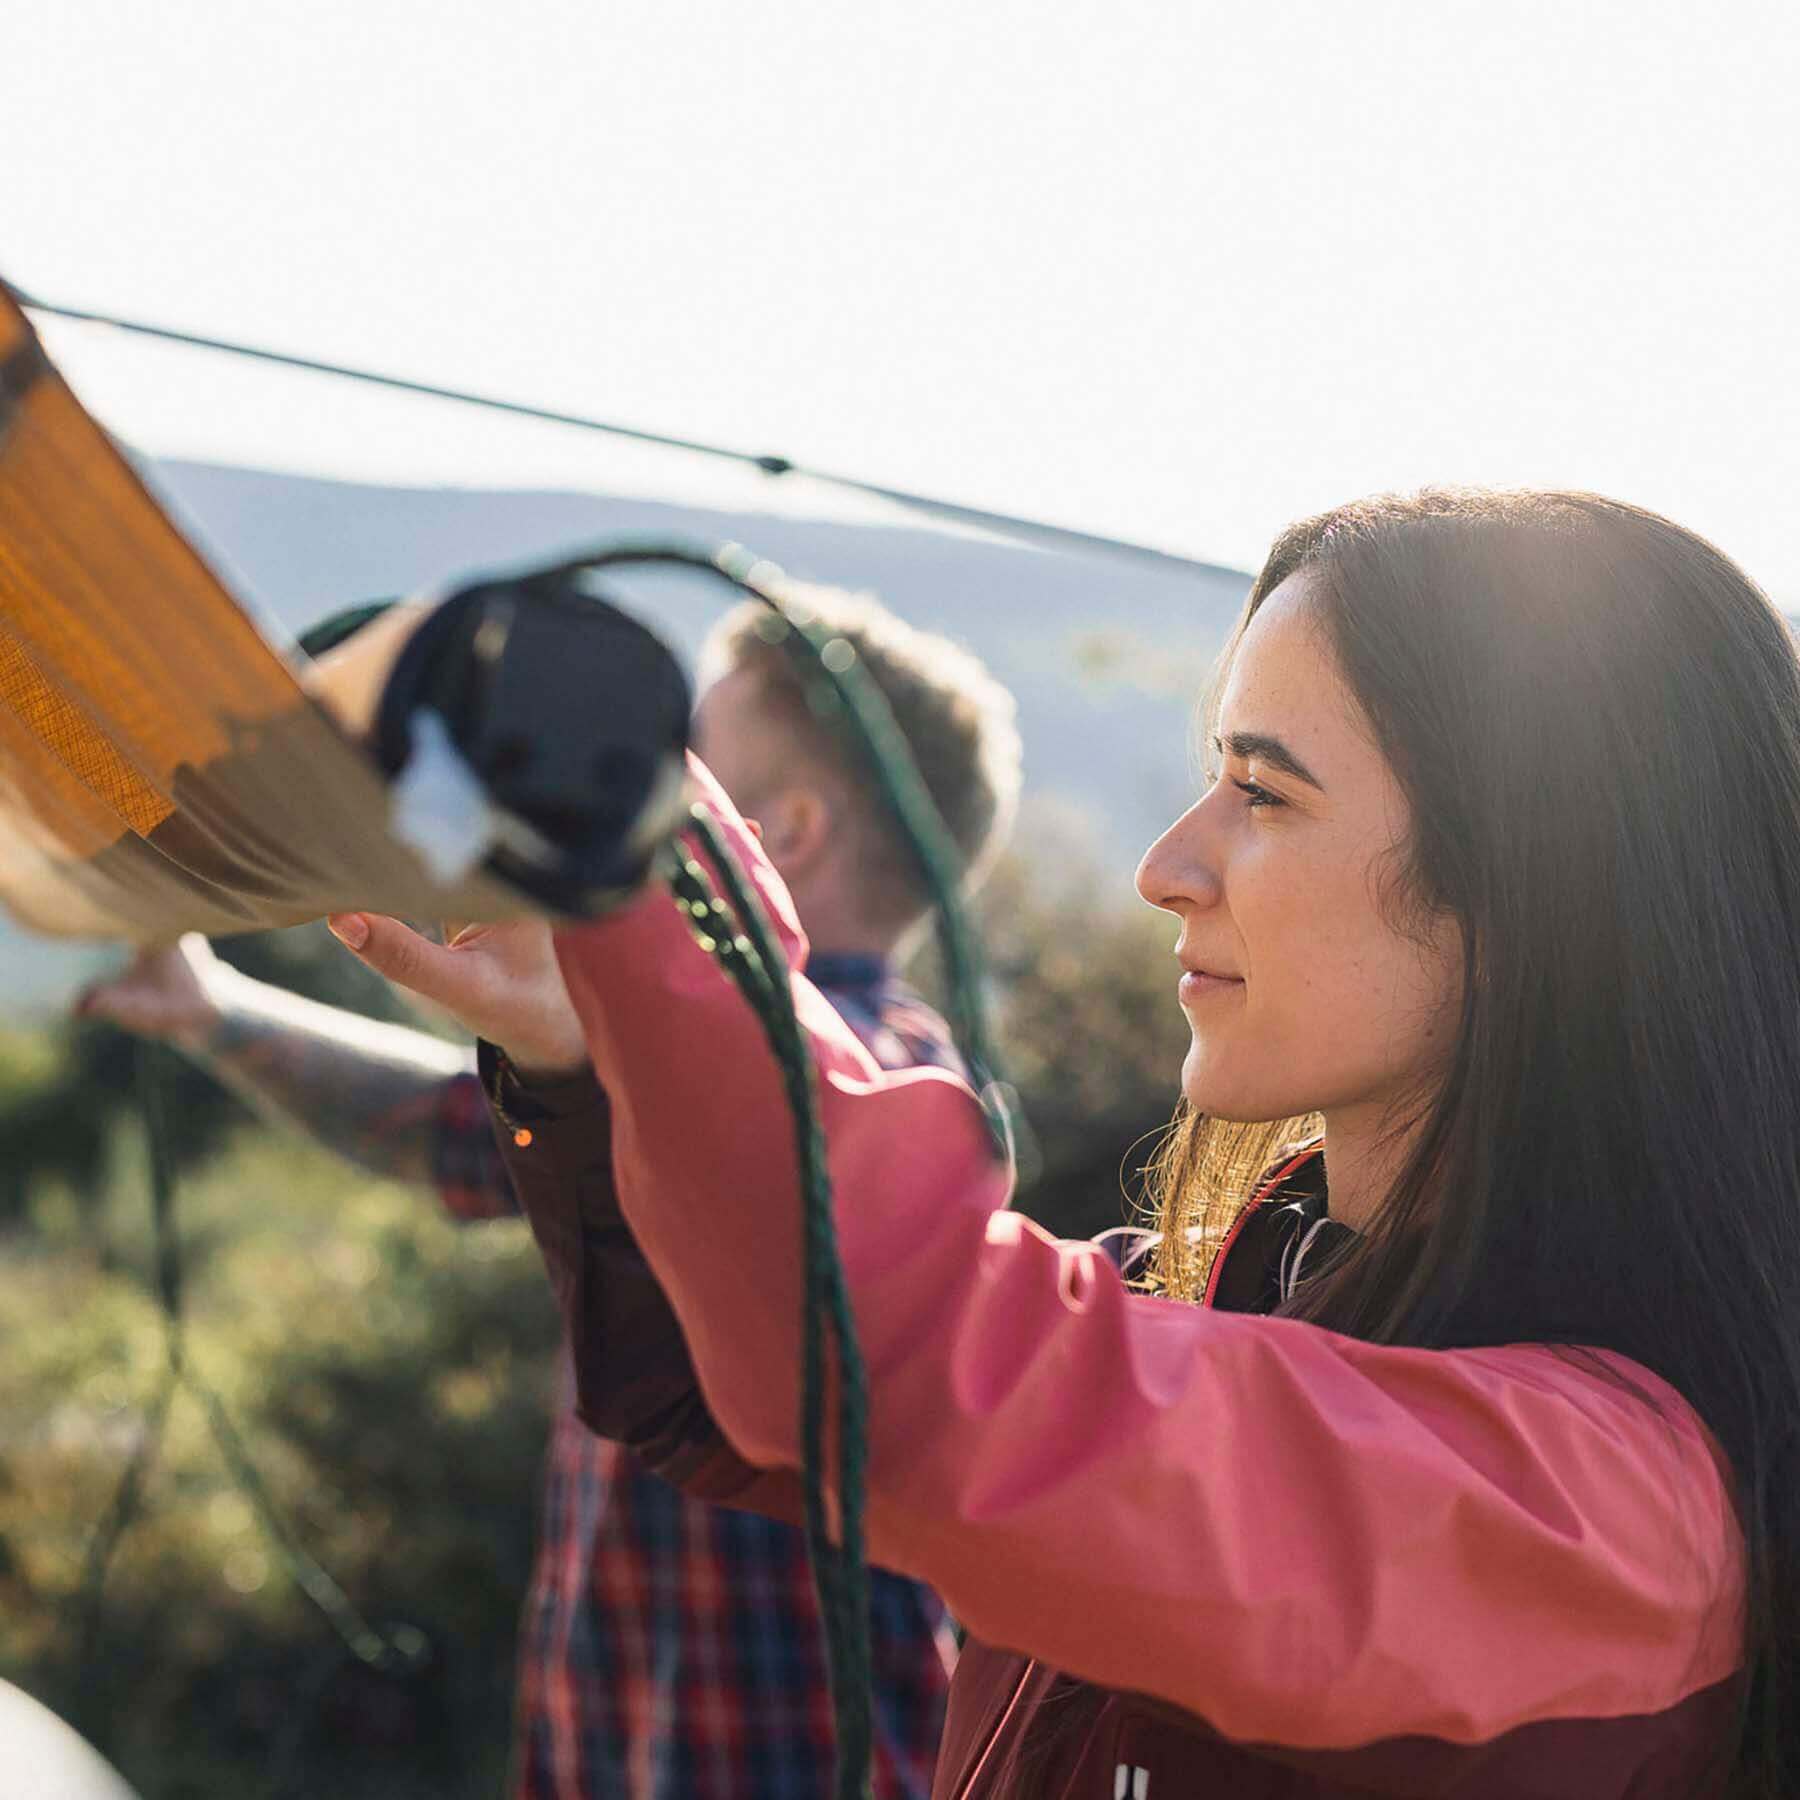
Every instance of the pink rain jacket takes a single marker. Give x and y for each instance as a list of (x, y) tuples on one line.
[(1225, 1554)]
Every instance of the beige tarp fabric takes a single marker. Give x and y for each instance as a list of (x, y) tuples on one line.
[(162, 768)]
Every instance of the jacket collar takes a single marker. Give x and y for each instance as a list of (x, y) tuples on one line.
[(1284, 1233), (847, 969)]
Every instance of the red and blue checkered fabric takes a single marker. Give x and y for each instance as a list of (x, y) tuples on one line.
[(671, 1650)]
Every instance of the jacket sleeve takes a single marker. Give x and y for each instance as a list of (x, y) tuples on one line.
[(634, 1379), (467, 1167), (1221, 1511)]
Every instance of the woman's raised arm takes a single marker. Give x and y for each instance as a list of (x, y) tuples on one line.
[(1224, 1512)]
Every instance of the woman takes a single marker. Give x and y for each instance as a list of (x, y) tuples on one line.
[(1498, 879)]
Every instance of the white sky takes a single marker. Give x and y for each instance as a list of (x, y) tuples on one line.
[(1179, 272)]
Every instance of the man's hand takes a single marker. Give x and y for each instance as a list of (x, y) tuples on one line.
[(501, 981), (169, 994)]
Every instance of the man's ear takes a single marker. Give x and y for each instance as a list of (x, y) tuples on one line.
[(797, 824)]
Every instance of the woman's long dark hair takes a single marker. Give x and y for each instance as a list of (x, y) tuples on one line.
[(1596, 718)]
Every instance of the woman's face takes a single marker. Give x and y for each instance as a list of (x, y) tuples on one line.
[(1306, 986)]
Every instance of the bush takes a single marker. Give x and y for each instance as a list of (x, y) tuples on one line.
[(389, 1371), (62, 1093), (1084, 983)]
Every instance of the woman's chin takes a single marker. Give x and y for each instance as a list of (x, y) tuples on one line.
[(1207, 1086), (1211, 1085)]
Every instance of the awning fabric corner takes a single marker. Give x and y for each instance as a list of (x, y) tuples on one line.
[(162, 768)]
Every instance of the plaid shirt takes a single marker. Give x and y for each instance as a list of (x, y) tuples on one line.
[(672, 1650)]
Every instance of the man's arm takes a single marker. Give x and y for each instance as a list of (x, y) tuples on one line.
[(398, 1102)]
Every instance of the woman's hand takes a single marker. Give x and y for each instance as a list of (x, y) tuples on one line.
[(501, 981)]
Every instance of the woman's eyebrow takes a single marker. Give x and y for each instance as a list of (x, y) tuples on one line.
[(1248, 745)]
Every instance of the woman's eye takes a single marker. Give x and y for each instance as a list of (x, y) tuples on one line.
[(1255, 794)]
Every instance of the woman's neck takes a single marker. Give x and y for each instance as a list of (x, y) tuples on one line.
[(1364, 1151)]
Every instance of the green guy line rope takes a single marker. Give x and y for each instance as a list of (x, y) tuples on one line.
[(398, 1650), (845, 693), (739, 936)]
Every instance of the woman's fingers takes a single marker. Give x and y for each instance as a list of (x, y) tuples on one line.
[(412, 961), (501, 981)]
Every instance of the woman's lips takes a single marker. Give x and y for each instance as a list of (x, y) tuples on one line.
[(1197, 985)]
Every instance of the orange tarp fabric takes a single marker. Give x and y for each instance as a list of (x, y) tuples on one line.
[(162, 766)]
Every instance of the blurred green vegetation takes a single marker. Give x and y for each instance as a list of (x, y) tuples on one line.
[(389, 1369), (1084, 989), (62, 1092)]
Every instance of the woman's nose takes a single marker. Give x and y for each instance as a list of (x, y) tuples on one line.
[(1179, 871)]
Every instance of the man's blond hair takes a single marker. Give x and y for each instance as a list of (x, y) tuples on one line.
[(957, 719)]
